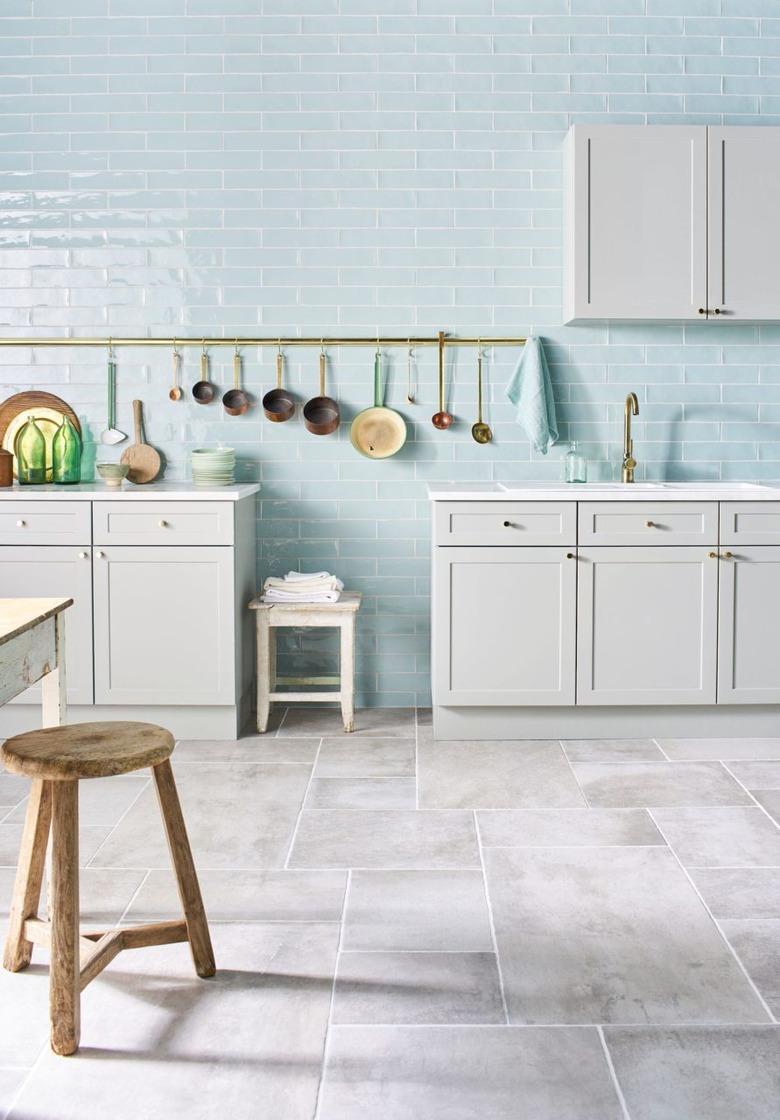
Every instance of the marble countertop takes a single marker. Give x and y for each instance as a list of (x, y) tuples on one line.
[(603, 492), (99, 492)]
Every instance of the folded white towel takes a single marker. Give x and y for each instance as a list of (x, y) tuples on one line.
[(308, 576), (275, 596), (303, 587)]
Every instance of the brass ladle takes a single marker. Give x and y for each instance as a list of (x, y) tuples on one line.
[(441, 419), (480, 431)]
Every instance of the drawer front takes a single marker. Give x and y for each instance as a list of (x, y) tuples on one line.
[(750, 522), (162, 523), (506, 523), (45, 523), (648, 523)]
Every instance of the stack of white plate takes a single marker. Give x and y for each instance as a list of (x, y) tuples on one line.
[(213, 466)]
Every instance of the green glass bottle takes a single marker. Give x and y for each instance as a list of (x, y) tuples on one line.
[(66, 453), (30, 451)]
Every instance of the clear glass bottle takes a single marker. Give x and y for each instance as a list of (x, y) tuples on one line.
[(66, 453), (30, 451), (576, 465)]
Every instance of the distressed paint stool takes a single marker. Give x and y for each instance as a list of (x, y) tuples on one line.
[(270, 616), (56, 759)]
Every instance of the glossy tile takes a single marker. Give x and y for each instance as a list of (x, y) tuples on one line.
[(385, 839), (543, 828), (715, 837), (365, 758), (362, 793), (656, 784), (757, 944), (495, 775)]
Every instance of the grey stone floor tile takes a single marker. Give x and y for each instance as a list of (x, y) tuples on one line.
[(466, 1073), (365, 758), (385, 838), (721, 837), (252, 896), (495, 775), (612, 750), (13, 788), (102, 801), (618, 935), (534, 828), (655, 784), (417, 988), (251, 748), (417, 910), (757, 944), (362, 793), (770, 799), (90, 839), (237, 815), (10, 1083), (752, 892), (159, 1042), (388, 723), (721, 1073), (773, 1003), (698, 749), (756, 775)]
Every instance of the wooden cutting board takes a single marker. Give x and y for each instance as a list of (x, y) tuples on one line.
[(142, 459)]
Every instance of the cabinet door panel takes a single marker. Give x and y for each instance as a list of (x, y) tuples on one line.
[(647, 622), (504, 626), (53, 571), (748, 665), (744, 234), (164, 625)]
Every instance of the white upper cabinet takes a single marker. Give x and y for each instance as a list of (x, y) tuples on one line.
[(671, 222)]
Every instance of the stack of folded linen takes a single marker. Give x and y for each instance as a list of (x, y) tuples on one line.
[(303, 587)]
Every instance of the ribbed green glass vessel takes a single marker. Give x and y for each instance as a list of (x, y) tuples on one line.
[(30, 451), (66, 453)]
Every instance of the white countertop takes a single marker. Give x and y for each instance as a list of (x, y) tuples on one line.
[(99, 492), (603, 492)]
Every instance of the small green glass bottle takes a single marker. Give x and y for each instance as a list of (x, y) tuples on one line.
[(66, 453), (30, 451)]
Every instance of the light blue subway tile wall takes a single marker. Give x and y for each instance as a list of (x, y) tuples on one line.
[(328, 167)]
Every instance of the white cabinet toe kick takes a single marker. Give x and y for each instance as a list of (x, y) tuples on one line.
[(605, 618)]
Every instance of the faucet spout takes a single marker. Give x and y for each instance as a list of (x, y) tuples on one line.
[(629, 462)]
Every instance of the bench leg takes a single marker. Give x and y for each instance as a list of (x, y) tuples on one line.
[(348, 672), (64, 991), (29, 875), (184, 868), (265, 639)]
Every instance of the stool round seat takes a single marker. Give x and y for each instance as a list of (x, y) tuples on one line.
[(87, 750)]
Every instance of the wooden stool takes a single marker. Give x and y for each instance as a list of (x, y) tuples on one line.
[(56, 758), (270, 616)]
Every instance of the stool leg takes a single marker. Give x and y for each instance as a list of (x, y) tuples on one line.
[(265, 639), (348, 672), (29, 875), (64, 993), (184, 867)]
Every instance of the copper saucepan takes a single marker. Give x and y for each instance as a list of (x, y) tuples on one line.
[(235, 401), (321, 414), (278, 404), (204, 390)]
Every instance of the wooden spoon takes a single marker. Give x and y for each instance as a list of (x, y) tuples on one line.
[(142, 459)]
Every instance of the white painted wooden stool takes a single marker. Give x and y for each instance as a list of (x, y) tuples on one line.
[(270, 616)]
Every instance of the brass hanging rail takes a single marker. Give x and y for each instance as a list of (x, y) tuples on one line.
[(318, 340)]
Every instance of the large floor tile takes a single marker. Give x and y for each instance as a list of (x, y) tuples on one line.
[(102, 801), (417, 910), (466, 1073), (252, 748), (612, 750), (495, 775), (692, 749), (416, 988), (721, 837), (10, 1083), (13, 788), (365, 758), (650, 784), (385, 838), (596, 935), (752, 892), (252, 896), (757, 944), (156, 1041), (90, 840), (698, 1074), (535, 828), (756, 775), (362, 793), (237, 815), (770, 799), (388, 723)]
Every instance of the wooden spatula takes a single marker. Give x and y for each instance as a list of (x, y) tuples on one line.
[(142, 459)]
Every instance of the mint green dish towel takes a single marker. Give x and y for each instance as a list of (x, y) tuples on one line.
[(530, 389)]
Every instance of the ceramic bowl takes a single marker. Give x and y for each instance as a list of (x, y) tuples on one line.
[(113, 474)]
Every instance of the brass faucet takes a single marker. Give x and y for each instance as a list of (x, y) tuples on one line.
[(629, 462)]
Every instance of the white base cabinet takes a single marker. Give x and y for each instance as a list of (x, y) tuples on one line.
[(749, 615)]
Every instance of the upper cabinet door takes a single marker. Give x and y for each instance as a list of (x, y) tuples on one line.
[(744, 230), (636, 218)]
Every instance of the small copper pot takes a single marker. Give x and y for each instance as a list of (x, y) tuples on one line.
[(321, 414)]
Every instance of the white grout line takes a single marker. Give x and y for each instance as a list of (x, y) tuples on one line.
[(113, 829), (585, 803), (326, 1041), (491, 921), (613, 1074), (303, 806), (133, 897), (754, 799)]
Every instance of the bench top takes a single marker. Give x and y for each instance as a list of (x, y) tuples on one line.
[(348, 601), (18, 615)]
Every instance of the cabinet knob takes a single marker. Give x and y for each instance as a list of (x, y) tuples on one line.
[(713, 555), (569, 555), (728, 555), (650, 524), (717, 311), (163, 524), (21, 524), (702, 310), (99, 555), (507, 524), (82, 556)]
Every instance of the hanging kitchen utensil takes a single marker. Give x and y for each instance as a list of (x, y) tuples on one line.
[(142, 459), (203, 391), (112, 434), (321, 414), (410, 360), (175, 390), (441, 419), (235, 401), (480, 431), (378, 432), (278, 404)]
